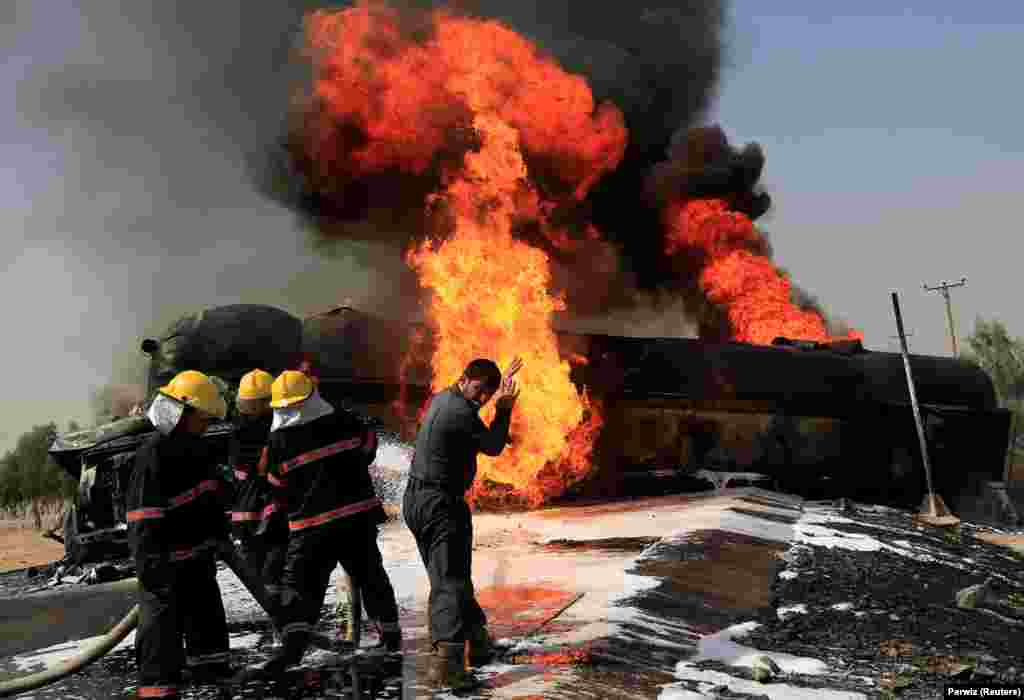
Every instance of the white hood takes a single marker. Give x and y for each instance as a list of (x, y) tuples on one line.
[(164, 413), (309, 410)]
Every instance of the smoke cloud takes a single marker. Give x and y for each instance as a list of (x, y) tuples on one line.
[(658, 63)]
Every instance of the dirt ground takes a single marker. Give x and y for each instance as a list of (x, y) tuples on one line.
[(21, 547)]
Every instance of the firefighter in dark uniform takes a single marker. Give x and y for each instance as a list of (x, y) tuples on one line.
[(318, 459), (176, 523), (451, 435), (258, 520)]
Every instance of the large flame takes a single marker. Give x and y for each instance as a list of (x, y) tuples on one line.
[(414, 94), (755, 294), (491, 299)]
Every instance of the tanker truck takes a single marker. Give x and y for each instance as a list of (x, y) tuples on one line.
[(819, 420)]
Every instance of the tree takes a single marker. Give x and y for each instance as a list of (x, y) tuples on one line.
[(27, 472), (1001, 356), (993, 349)]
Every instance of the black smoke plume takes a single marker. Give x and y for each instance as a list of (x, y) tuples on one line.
[(658, 62)]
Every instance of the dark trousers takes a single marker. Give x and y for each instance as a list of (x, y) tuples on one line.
[(181, 622), (443, 528), (267, 557), (312, 556)]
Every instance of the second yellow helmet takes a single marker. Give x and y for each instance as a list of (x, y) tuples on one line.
[(255, 385)]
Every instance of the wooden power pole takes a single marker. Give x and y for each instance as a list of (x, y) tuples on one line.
[(943, 288), (933, 509)]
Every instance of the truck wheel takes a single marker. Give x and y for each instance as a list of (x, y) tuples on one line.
[(74, 551)]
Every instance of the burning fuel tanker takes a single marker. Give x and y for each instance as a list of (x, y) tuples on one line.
[(819, 419)]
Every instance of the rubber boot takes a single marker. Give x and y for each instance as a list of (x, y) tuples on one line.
[(448, 667), (481, 647)]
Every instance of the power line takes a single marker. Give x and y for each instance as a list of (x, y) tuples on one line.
[(943, 288)]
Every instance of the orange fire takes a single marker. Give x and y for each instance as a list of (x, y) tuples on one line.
[(754, 293), (414, 92), (491, 299)]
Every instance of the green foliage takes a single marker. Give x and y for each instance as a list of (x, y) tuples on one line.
[(1000, 355), (992, 348), (27, 472)]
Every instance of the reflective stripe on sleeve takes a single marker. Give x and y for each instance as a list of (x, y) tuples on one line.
[(208, 486), (320, 453), (239, 516), (145, 514), (330, 515)]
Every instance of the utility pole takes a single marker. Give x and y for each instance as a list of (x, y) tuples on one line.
[(933, 508), (944, 288)]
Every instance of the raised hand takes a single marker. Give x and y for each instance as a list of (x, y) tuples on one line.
[(517, 364), (507, 394)]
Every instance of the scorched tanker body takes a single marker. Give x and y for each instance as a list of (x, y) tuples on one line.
[(817, 420)]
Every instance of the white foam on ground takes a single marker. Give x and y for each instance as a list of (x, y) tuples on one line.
[(721, 647), (786, 611), (672, 692), (810, 530), (39, 659), (788, 574), (775, 691), (843, 606), (246, 640)]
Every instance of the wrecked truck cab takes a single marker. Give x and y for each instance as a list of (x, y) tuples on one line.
[(223, 342), (101, 460)]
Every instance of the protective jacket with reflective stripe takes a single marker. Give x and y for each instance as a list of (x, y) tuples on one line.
[(174, 502), (321, 470), (255, 511)]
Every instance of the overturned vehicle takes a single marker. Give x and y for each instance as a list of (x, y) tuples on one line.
[(818, 420), (224, 342)]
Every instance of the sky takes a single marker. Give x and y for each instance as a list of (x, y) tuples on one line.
[(893, 143)]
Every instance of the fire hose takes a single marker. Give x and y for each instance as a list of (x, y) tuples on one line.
[(249, 578)]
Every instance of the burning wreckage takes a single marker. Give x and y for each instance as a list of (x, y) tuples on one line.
[(820, 420), (513, 171)]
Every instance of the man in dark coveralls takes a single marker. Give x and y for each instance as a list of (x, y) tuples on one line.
[(318, 460), (176, 524), (258, 521), (434, 507)]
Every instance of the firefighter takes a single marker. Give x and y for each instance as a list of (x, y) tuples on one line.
[(434, 507), (318, 459), (176, 521), (257, 520)]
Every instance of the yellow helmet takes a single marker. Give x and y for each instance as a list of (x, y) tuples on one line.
[(255, 385), (290, 388), (197, 390)]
